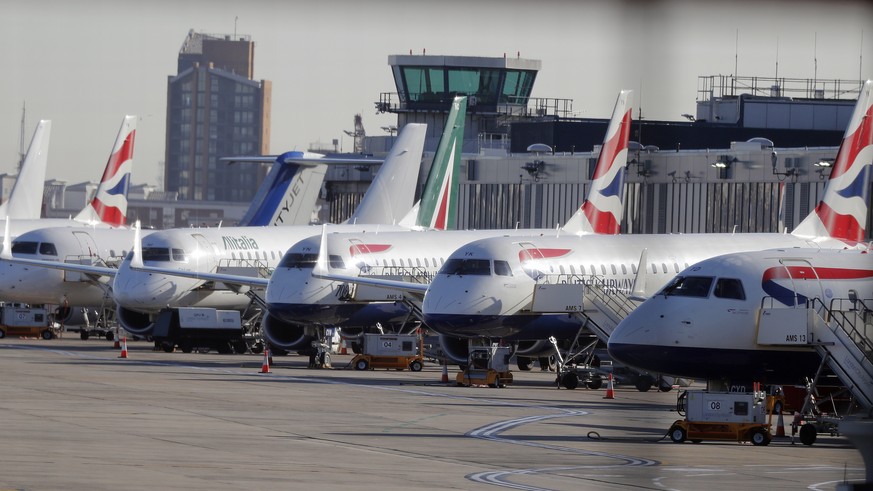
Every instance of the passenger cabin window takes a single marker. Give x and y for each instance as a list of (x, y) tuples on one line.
[(501, 268), (623, 269), (158, 254), (24, 247), (467, 267), (729, 288), (688, 286), (48, 249), (298, 260)]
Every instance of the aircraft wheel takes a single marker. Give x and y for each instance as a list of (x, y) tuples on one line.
[(524, 363), (2, 334), (595, 383), (362, 364), (240, 347), (47, 334), (570, 380), (760, 437), (324, 359), (644, 382), (110, 336), (677, 434), (168, 347), (808, 434), (257, 347), (84, 335), (415, 366)]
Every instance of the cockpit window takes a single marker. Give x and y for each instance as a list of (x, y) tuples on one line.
[(48, 249), (298, 260), (179, 255), (501, 268), (158, 254), (729, 288), (466, 267), (336, 262), (24, 247), (688, 286)]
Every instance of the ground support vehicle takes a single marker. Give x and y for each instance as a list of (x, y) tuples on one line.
[(200, 328), (27, 321), (709, 415), (487, 366), (391, 351)]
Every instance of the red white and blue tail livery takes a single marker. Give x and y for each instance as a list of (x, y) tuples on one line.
[(842, 212), (109, 205), (601, 212)]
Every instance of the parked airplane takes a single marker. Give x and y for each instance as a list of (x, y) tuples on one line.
[(732, 317), (25, 199), (500, 299), (303, 296)]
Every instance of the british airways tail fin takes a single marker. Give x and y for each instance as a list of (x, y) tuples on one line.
[(439, 201), (842, 211), (109, 204), (25, 200), (601, 211), (392, 191), (288, 193)]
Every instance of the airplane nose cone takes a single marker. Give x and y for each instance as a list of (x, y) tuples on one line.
[(143, 291)]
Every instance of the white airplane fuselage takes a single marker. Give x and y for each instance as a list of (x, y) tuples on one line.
[(499, 305), (714, 333)]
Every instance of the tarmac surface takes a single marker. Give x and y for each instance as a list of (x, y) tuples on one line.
[(74, 416)]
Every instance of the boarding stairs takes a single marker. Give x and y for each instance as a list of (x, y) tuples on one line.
[(840, 331)]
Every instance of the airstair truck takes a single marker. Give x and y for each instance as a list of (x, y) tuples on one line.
[(737, 416)]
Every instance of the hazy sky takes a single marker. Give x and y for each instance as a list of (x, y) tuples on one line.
[(85, 64)]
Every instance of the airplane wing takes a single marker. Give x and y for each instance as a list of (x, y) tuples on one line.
[(77, 268), (321, 270), (305, 158), (217, 277)]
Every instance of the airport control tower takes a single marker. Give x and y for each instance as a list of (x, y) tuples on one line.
[(498, 91)]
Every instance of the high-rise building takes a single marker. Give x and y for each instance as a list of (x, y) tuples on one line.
[(215, 109)]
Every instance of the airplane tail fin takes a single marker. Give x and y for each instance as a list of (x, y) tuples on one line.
[(288, 194), (110, 202), (392, 191), (25, 200), (601, 211), (439, 201), (842, 211)]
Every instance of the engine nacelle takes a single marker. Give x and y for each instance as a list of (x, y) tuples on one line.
[(457, 350), (134, 322), (75, 316), (286, 335)]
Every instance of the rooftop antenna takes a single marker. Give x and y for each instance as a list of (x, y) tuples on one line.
[(235, 19), (737, 53), (777, 59), (861, 59), (815, 61)]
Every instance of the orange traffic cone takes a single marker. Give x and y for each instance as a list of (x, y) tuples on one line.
[(343, 349), (445, 377), (265, 368), (610, 390), (780, 426), (117, 341), (123, 348)]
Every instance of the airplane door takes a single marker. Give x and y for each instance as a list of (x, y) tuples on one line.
[(87, 245), (207, 253), (89, 255)]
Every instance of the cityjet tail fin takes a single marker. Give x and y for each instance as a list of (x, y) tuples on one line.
[(25, 200), (109, 205), (439, 201), (601, 211), (842, 211), (392, 191)]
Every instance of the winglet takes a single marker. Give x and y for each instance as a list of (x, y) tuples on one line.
[(321, 264), (136, 260), (601, 211), (7, 242), (638, 289)]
